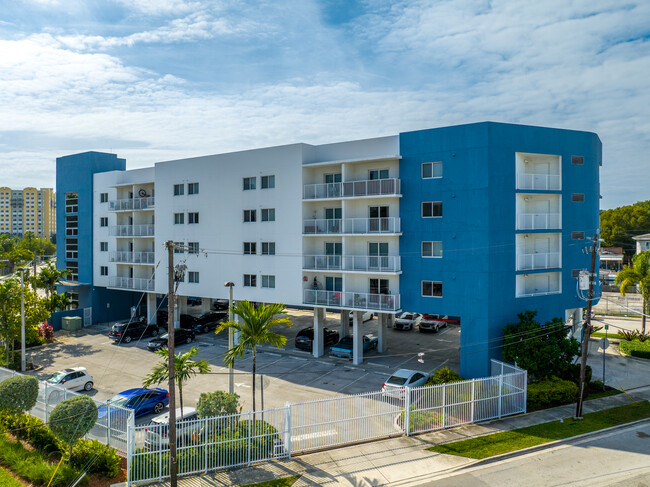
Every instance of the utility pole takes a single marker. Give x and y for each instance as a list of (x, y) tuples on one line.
[(22, 320), (586, 327), (173, 474), (231, 338)]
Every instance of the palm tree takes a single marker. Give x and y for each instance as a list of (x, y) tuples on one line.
[(184, 369), (638, 274), (48, 278), (254, 328)]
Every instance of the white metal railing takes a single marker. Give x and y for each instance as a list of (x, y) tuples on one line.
[(133, 257), (538, 221), (543, 182), (351, 300), (538, 292), (361, 263), (132, 230), (547, 260), (369, 187), (134, 283), (351, 226), (132, 204)]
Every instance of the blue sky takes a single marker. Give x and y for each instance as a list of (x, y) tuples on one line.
[(156, 80)]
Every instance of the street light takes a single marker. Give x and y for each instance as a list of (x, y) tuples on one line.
[(22, 319), (231, 339)]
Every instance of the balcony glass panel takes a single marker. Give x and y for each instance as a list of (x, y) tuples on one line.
[(538, 221), (349, 189), (132, 204), (132, 230), (526, 262), (351, 226), (362, 263), (133, 257), (541, 182), (352, 300), (132, 283)]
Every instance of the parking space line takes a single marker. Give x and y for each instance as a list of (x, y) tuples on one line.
[(272, 354), (292, 370), (380, 373), (317, 378), (299, 358), (325, 363), (405, 361), (354, 381), (436, 368), (378, 365)]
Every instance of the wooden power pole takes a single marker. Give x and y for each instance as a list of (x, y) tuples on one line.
[(173, 470), (586, 327)]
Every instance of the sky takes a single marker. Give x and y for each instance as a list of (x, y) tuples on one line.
[(155, 80)]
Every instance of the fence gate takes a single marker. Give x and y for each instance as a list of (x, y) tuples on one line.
[(88, 316)]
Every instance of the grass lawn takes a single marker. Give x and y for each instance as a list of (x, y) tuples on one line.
[(609, 392), (636, 348), (7, 480), (601, 334), (284, 482), (507, 441)]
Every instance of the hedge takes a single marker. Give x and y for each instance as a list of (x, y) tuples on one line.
[(443, 376), (18, 394), (572, 373), (636, 348), (72, 418), (551, 392)]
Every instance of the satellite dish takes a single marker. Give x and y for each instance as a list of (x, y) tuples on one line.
[(142, 193)]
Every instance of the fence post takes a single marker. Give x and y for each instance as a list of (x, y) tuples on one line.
[(205, 429), (407, 411), (500, 388), (444, 409), (46, 397), (250, 433), (525, 391), (108, 423), (287, 436), (472, 404)]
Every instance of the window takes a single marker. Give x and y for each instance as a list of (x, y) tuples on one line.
[(249, 183), (268, 214), (103, 246), (192, 188), (268, 182), (71, 202), (579, 160), (103, 270), (193, 217), (431, 249), (378, 174), (178, 246), (103, 221), (179, 189), (193, 277), (179, 218), (71, 225), (193, 247), (250, 215), (432, 209), (71, 246), (250, 248), (333, 178), (379, 286), (578, 197), (268, 281), (431, 170), (250, 280), (103, 197), (577, 235), (73, 267), (432, 289), (268, 248)]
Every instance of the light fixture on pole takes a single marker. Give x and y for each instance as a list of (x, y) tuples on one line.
[(231, 339)]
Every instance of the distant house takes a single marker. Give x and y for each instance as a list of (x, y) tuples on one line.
[(642, 243), (611, 258)]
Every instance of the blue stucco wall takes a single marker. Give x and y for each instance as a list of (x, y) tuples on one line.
[(478, 193)]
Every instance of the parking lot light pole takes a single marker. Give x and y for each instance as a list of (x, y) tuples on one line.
[(231, 338), (22, 319)]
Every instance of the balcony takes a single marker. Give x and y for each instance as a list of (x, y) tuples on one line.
[(538, 284), (132, 204), (133, 257), (351, 189), (527, 262), (538, 221), (360, 263), (132, 283), (351, 226), (132, 230), (540, 182), (351, 300)]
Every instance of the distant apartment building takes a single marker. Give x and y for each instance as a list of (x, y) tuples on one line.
[(28, 210)]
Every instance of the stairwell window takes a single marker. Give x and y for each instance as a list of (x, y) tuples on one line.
[(432, 289), (432, 209), (431, 170)]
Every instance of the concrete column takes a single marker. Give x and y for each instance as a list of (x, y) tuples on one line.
[(345, 323), (390, 323), (206, 305), (577, 320), (181, 302), (381, 325), (319, 337), (151, 308), (357, 338)]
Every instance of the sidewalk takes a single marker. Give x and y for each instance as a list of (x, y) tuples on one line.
[(397, 461)]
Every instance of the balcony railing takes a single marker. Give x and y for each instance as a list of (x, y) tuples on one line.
[(133, 257), (132, 204), (538, 221), (370, 187), (134, 283), (543, 182), (132, 230), (363, 263), (538, 292), (352, 300), (351, 226), (526, 262)]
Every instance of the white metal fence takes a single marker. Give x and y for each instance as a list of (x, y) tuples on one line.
[(113, 422), (230, 441)]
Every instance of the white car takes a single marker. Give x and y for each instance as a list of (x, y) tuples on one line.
[(397, 383), (73, 379), (187, 427), (431, 323), (366, 316), (407, 321)]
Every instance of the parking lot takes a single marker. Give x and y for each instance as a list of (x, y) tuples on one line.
[(289, 375)]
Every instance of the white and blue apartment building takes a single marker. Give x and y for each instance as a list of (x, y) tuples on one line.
[(478, 222)]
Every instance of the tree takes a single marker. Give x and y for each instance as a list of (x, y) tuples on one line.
[(542, 350), (218, 403), (184, 369), (18, 394), (254, 328), (72, 418), (620, 224), (637, 275), (48, 277)]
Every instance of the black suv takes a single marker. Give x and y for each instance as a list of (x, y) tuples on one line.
[(127, 330), (209, 321), (181, 336), (305, 338), (186, 321)]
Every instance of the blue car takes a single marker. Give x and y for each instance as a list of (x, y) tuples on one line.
[(343, 348), (142, 401)]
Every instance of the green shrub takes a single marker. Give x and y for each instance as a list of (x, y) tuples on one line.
[(442, 376), (636, 348), (218, 403), (572, 373), (18, 394), (551, 392), (72, 418), (598, 384), (32, 430), (95, 457), (628, 335)]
